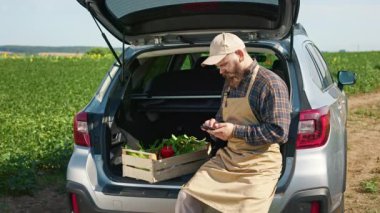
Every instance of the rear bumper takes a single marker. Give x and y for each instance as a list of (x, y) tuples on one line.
[(301, 201), (101, 202)]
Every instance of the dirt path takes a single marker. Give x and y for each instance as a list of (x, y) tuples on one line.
[(369, 99), (363, 165), (363, 154)]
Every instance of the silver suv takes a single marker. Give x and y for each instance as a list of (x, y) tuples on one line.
[(156, 88)]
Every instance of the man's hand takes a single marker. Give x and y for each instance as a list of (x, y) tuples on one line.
[(210, 123), (222, 131)]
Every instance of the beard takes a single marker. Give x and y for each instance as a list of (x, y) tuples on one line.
[(234, 79)]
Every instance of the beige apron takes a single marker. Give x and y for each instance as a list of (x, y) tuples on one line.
[(241, 177)]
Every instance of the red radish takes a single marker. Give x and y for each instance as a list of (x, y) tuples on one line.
[(167, 151)]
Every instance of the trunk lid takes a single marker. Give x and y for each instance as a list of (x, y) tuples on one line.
[(193, 21)]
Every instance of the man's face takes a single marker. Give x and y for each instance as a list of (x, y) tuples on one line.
[(231, 70)]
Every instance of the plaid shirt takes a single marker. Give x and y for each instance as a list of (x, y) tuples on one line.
[(269, 101)]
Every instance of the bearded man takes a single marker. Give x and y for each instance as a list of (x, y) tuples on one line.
[(254, 118)]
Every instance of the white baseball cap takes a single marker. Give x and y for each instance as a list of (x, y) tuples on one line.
[(222, 45)]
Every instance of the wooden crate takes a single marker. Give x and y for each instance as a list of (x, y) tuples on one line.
[(153, 170)]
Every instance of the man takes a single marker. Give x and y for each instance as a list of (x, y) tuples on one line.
[(254, 118)]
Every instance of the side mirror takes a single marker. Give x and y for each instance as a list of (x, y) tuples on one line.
[(346, 78)]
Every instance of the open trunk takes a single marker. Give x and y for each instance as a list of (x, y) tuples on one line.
[(170, 93), (143, 21)]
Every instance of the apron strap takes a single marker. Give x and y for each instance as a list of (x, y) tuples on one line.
[(253, 77)]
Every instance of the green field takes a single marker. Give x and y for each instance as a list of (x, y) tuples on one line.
[(365, 64), (38, 98), (40, 95)]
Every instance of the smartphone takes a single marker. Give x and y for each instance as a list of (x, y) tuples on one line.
[(207, 127)]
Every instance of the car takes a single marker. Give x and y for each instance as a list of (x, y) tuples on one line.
[(157, 87)]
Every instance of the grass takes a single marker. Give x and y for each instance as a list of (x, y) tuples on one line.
[(370, 186), (365, 64), (56, 178), (4, 206), (39, 97), (369, 111), (372, 112)]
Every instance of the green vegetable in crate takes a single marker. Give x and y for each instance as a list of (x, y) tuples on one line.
[(135, 154), (179, 144), (168, 147), (138, 155)]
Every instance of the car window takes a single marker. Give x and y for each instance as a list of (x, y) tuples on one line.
[(269, 61), (324, 73), (157, 73), (187, 63), (149, 68), (312, 68), (158, 66), (324, 69)]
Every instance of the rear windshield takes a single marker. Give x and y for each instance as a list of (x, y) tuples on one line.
[(120, 8)]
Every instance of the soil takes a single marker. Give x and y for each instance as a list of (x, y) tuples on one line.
[(363, 155), (50, 199), (363, 165)]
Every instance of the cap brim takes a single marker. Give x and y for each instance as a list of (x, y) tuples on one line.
[(212, 60)]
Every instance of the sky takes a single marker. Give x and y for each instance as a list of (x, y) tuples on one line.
[(334, 25)]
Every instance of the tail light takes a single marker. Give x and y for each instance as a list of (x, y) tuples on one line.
[(81, 136), (313, 128), (315, 207), (74, 203)]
